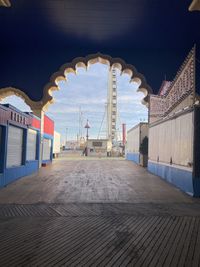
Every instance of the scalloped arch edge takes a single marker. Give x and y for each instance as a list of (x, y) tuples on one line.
[(9, 91), (85, 62)]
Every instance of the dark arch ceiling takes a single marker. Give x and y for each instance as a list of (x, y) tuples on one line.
[(37, 37)]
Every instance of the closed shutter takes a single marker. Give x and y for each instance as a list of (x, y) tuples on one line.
[(31, 145), (15, 146), (46, 149)]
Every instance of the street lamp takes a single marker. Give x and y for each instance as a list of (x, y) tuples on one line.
[(66, 136), (87, 126)]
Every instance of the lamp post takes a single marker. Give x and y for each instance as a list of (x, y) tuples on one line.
[(66, 137), (87, 126)]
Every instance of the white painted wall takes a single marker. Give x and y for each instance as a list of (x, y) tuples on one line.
[(172, 138), (133, 140), (56, 143), (135, 137)]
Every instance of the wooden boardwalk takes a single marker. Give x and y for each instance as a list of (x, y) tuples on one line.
[(105, 181), (100, 235), (97, 213)]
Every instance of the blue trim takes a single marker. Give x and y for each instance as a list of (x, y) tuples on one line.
[(1, 180), (48, 136), (179, 177), (133, 157)]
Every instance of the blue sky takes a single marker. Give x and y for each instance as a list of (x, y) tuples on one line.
[(88, 90)]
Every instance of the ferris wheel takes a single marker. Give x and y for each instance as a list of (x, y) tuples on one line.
[(112, 106), (108, 128)]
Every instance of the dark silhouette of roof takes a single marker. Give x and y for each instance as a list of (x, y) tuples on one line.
[(37, 37)]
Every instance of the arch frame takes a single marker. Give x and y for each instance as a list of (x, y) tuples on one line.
[(71, 67), (85, 62)]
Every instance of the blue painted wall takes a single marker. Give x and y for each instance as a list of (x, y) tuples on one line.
[(181, 178), (133, 157), (1, 179), (14, 173)]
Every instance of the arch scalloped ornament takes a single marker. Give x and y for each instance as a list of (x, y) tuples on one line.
[(85, 62), (67, 68), (5, 3), (194, 6)]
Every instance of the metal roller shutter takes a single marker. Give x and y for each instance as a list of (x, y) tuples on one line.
[(31, 145), (46, 149), (15, 146)]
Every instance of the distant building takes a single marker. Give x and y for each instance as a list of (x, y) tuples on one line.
[(99, 147)]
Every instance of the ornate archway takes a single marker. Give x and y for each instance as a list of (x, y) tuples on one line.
[(71, 67), (85, 62)]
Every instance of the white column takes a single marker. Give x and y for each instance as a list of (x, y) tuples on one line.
[(40, 114)]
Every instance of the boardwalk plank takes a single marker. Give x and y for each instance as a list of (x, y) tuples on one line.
[(135, 245), (176, 242), (162, 253), (196, 258), (182, 249)]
